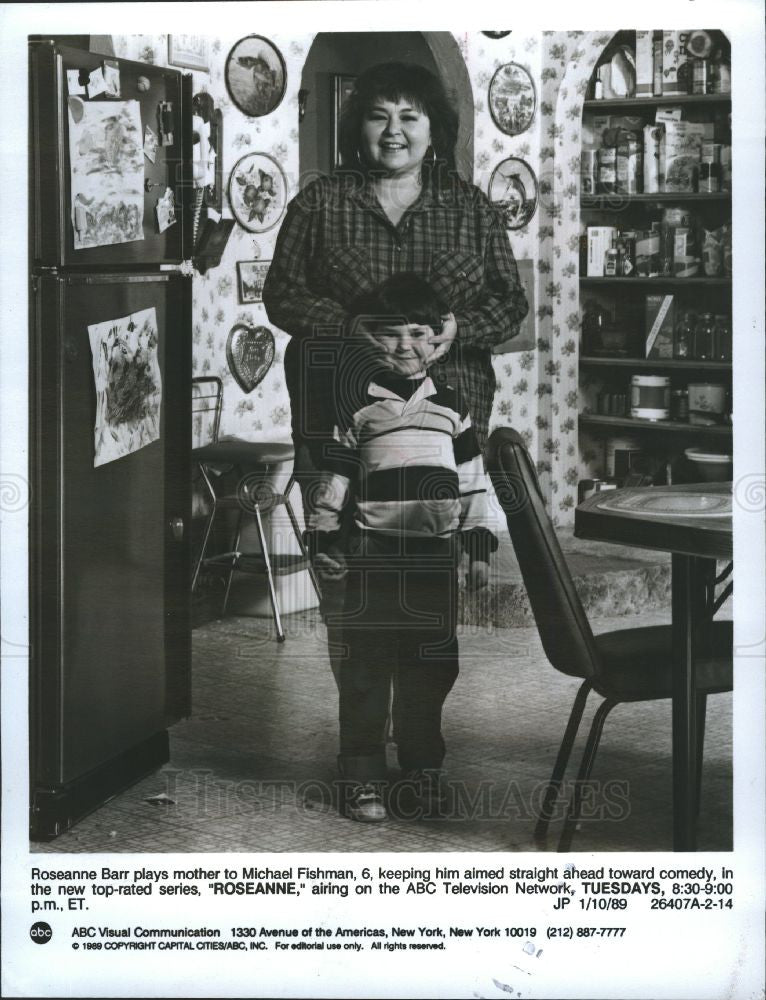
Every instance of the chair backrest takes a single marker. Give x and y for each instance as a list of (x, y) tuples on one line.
[(561, 621), (207, 403)]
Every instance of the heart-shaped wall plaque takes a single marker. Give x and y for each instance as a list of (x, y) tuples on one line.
[(250, 353)]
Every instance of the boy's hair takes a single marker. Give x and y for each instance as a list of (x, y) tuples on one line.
[(401, 299)]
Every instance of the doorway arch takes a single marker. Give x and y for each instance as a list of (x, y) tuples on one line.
[(348, 54)]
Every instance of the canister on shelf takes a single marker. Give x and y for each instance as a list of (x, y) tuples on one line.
[(650, 397)]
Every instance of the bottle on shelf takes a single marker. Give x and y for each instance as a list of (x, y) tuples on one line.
[(720, 77), (704, 338), (683, 342), (598, 89), (700, 76), (722, 339)]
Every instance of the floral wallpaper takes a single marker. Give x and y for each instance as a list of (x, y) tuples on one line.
[(518, 376), (537, 388), (568, 60)]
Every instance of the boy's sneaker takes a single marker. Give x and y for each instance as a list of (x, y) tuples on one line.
[(364, 803)]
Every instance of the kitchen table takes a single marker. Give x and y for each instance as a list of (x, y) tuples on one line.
[(694, 524)]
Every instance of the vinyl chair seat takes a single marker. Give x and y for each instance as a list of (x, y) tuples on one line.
[(635, 663), (236, 451)]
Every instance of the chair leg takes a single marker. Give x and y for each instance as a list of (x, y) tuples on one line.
[(299, 539), (701, 713), (554, 785), (235, 550), (203, 549), (586, 766), (208, 527), (269, 575)]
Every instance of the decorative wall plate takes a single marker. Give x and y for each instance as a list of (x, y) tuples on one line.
[(250, 354), (255, 75), (257, 192), (513, 188), (512, 98)]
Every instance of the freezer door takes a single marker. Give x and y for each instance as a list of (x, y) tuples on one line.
[(96, 205), (109, 548)]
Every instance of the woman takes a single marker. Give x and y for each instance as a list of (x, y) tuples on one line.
[(398, 205)]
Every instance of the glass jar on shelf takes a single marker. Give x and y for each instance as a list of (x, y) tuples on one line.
[(683, 341), (704, 338), (722, 339)]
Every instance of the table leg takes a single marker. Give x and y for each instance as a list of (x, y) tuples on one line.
[(690, 576)]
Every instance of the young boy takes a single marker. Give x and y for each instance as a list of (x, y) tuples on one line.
[(408, 462)]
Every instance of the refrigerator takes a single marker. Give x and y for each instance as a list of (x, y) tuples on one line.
[(110, 439)]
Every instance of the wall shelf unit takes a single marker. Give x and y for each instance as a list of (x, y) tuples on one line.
[(618, 202), (597, 421), (655, 364), (655, 283), (622, 305)]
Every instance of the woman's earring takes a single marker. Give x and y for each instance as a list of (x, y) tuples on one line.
[(433, 156)]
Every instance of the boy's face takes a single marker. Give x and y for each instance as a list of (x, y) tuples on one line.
[(407, 347)]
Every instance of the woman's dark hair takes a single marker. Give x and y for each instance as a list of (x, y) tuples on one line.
[(396, 81)]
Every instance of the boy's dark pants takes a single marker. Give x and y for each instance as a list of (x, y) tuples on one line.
[(398, 622)]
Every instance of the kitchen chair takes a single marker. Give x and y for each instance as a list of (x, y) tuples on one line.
[(628, 665), (253, 463)]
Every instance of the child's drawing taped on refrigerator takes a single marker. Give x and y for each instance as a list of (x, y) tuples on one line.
[(107, 172), (128, 384)]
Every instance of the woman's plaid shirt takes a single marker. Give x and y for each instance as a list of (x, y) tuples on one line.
[(337, 242)]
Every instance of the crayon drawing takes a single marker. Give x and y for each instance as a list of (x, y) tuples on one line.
[(128, 384), (107, 172)]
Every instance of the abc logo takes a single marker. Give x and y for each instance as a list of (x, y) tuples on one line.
[(40, 932)]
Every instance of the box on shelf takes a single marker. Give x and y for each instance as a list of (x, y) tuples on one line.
[(647, 253), (660, 323), (593, 128), (675, 64), (680, 153), (600, 240), (644, 64)]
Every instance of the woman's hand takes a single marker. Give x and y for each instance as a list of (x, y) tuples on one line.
[(443, 341)]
